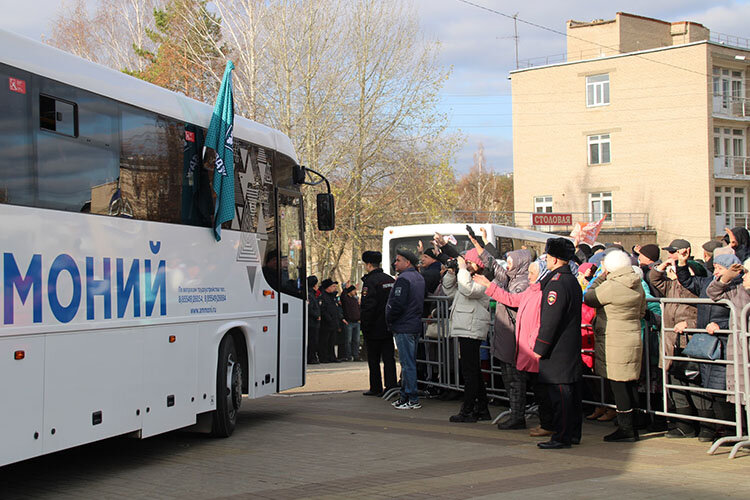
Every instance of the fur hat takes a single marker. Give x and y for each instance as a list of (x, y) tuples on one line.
[(560, 248), (406, 254), (372, 257), (327, 282)]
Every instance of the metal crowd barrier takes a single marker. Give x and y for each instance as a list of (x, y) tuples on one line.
[(441, 359)]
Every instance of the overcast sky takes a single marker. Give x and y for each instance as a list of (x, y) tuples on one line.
[(479, 45)]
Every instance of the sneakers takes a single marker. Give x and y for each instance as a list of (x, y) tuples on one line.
[(406, 405)]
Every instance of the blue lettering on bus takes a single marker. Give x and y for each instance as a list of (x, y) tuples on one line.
[(12, 279), (101, 287), (130, 288), (127, 287), (64, 262), (159, 284)]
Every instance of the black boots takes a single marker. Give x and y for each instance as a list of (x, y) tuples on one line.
[(684, 428), (465, 414), (481, 412), (707, 432), (626, 432)]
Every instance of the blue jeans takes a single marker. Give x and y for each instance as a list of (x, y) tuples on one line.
[(407, 356), (351, 337)]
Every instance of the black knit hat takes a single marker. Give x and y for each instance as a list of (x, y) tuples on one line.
[(430, 252), (372, 257), (312, 280), (560, 248), (406, 254)]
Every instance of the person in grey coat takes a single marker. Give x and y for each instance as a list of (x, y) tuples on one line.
[(514, 279), (470, 323)]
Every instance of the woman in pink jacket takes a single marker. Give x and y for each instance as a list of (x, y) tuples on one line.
[(528, 317)]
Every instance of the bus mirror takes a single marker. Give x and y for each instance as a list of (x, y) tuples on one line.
[(298, 174), (326, 212)]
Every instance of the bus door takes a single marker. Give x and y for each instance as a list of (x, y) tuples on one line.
[(293, 287)]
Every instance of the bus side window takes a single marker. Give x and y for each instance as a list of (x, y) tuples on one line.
[(504, 245), (151, 166), (17, 179), (77, 147)]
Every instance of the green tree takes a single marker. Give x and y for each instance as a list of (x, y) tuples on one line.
[(189, 56)]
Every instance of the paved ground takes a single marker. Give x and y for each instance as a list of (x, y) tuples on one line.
[(344, 445)]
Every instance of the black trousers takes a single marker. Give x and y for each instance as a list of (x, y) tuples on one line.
[(376, 350), (567, 411), (325, 344), (474, 389), (546, 417), (313, 330), (626, 394)]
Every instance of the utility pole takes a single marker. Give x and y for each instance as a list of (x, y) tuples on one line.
[(514, 37)]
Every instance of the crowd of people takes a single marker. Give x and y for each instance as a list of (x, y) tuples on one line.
[(575, 310)]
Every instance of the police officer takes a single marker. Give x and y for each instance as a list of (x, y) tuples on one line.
[(559, 344), (376, 286)]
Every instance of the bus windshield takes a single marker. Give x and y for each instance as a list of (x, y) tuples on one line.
[(411, 243)]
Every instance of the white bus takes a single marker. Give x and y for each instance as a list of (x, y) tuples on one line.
[(120, 312), (504, 238)]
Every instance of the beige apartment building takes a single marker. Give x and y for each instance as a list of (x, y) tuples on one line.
[(643, 121)]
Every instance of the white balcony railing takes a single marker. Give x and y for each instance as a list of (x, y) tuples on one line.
[(734, 167), (732, 219), (735, 107)]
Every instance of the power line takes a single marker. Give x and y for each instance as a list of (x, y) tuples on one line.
[(552, 30)]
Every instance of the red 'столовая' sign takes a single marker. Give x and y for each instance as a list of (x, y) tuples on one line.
[(552, 219)]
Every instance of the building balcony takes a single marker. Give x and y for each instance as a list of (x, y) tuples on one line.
[(732, 219), (725, 106), (732, 167)]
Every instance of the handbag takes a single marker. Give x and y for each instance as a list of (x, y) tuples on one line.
[(703, 346)]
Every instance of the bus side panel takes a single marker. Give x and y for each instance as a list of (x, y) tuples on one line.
[(92, 387), (264, 365), (292, 342), (21, 397), (169, 366)]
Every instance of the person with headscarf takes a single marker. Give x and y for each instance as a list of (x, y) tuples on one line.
[(469, 322), (528, 303), (513, 279), (739, 239)]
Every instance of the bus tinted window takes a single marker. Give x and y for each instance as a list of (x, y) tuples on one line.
[(151, 164), (17, 180), (58, 116), (69, 168)]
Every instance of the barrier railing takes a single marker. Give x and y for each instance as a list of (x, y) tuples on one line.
[(441, 360)]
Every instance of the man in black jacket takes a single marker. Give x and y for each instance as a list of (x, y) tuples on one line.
[(331, 317), (559, 344), (313, 320), (376, 286)]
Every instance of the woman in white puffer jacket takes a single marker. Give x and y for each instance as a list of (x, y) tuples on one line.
[(469, 322)]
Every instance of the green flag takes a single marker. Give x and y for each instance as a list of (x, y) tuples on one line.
[(219, 138)]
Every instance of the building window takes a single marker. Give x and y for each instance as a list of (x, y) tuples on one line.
[(600, 205), (597, 90), (729, 151), (728, 90), (599, 149), (543, 204)]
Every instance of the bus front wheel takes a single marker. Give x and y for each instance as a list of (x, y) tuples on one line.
[(228, 389)]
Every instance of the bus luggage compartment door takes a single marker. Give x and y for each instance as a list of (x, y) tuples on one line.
[(22, 396)]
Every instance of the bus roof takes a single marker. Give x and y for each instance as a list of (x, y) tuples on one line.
[(453, 228), (42, 59)]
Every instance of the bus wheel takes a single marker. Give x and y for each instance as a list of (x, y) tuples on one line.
[(228, 389)]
